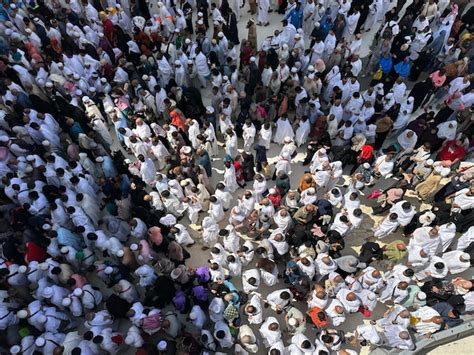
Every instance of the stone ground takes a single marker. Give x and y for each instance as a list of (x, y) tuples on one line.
[(353, 241)]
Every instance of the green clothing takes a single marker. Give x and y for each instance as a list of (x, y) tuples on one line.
[(392, 253), (295, 313), (411, 299)]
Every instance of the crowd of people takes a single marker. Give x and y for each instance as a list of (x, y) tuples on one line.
[(141, 211)]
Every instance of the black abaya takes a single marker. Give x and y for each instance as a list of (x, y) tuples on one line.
[(419, 92)]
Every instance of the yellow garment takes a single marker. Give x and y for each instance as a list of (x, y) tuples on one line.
[(429, 186)]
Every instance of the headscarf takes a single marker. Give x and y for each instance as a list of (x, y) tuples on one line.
[(407, 142)]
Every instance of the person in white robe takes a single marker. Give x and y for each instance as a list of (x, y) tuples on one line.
[(405, 212), (198, 317), (426, 321), (447, 232), (284, 129), (248, 134), (283, 220), (231, 144), (211, 141), (302, 132), (262, 12), (397, 337), (395, 291), (367, 333), (465, 239), (250, 280), (193, 132), (388, 225), (210, 232), (147, 170), (351, 24), (325, 264), (270, 331), (278, 240), (349, 300), (383, 166), (202, 67), (428, 238), (435, 268), (456, 261), (230, 179), (247, 339), (223, 335), (265, 136), (463, 200), (181, 235), (224, 195), (253, 310), (231, 240)]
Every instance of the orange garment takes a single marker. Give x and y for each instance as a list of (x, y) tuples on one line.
[(177, 121), (318, 322), (303, 185)]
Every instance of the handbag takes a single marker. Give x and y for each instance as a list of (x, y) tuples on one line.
[(378, 75)]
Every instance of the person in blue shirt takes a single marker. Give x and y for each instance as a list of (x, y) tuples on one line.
[(403, 68), (295, 16)]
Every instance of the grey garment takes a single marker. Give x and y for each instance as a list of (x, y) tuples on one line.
[(349, 263)]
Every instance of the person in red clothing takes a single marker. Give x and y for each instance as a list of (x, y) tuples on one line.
[(274, 197), (109, 30), (239, 171), (35, 252), (451, 152), (319, 317)]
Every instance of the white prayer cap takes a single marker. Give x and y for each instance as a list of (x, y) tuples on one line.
[(12, 6), (120, 253), (177, 62), (200, 22), (311, 190), (160, 4), (49, 84), (288, 139), (76, 77), (225, 78), (322, 151), (108, 270), (210, 109), (421, 296), (292, 322), (15, 349), (64, 250), (85, 99), (48, 292), (103, 80), (220, 34), (69, 25), (22, 314), (193, 316), (294, 70), (186, 149), (92, 89), (297, 36), (200, 14), (28, 169), (66, 302), (100, 34), (30, 157), (253, 59), (162, 345), (60, 65), (77, 292), (43, 266), (310, 68), (272, 191), (78, 92), (145, 77), (168, 220), (176, 273), (134, 247), (99, 159), (22, 269), (429, 162), (366, 165), (5, 139), (465, 257), (109, 110), (8, 32), (187, 41), (40, 341)]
